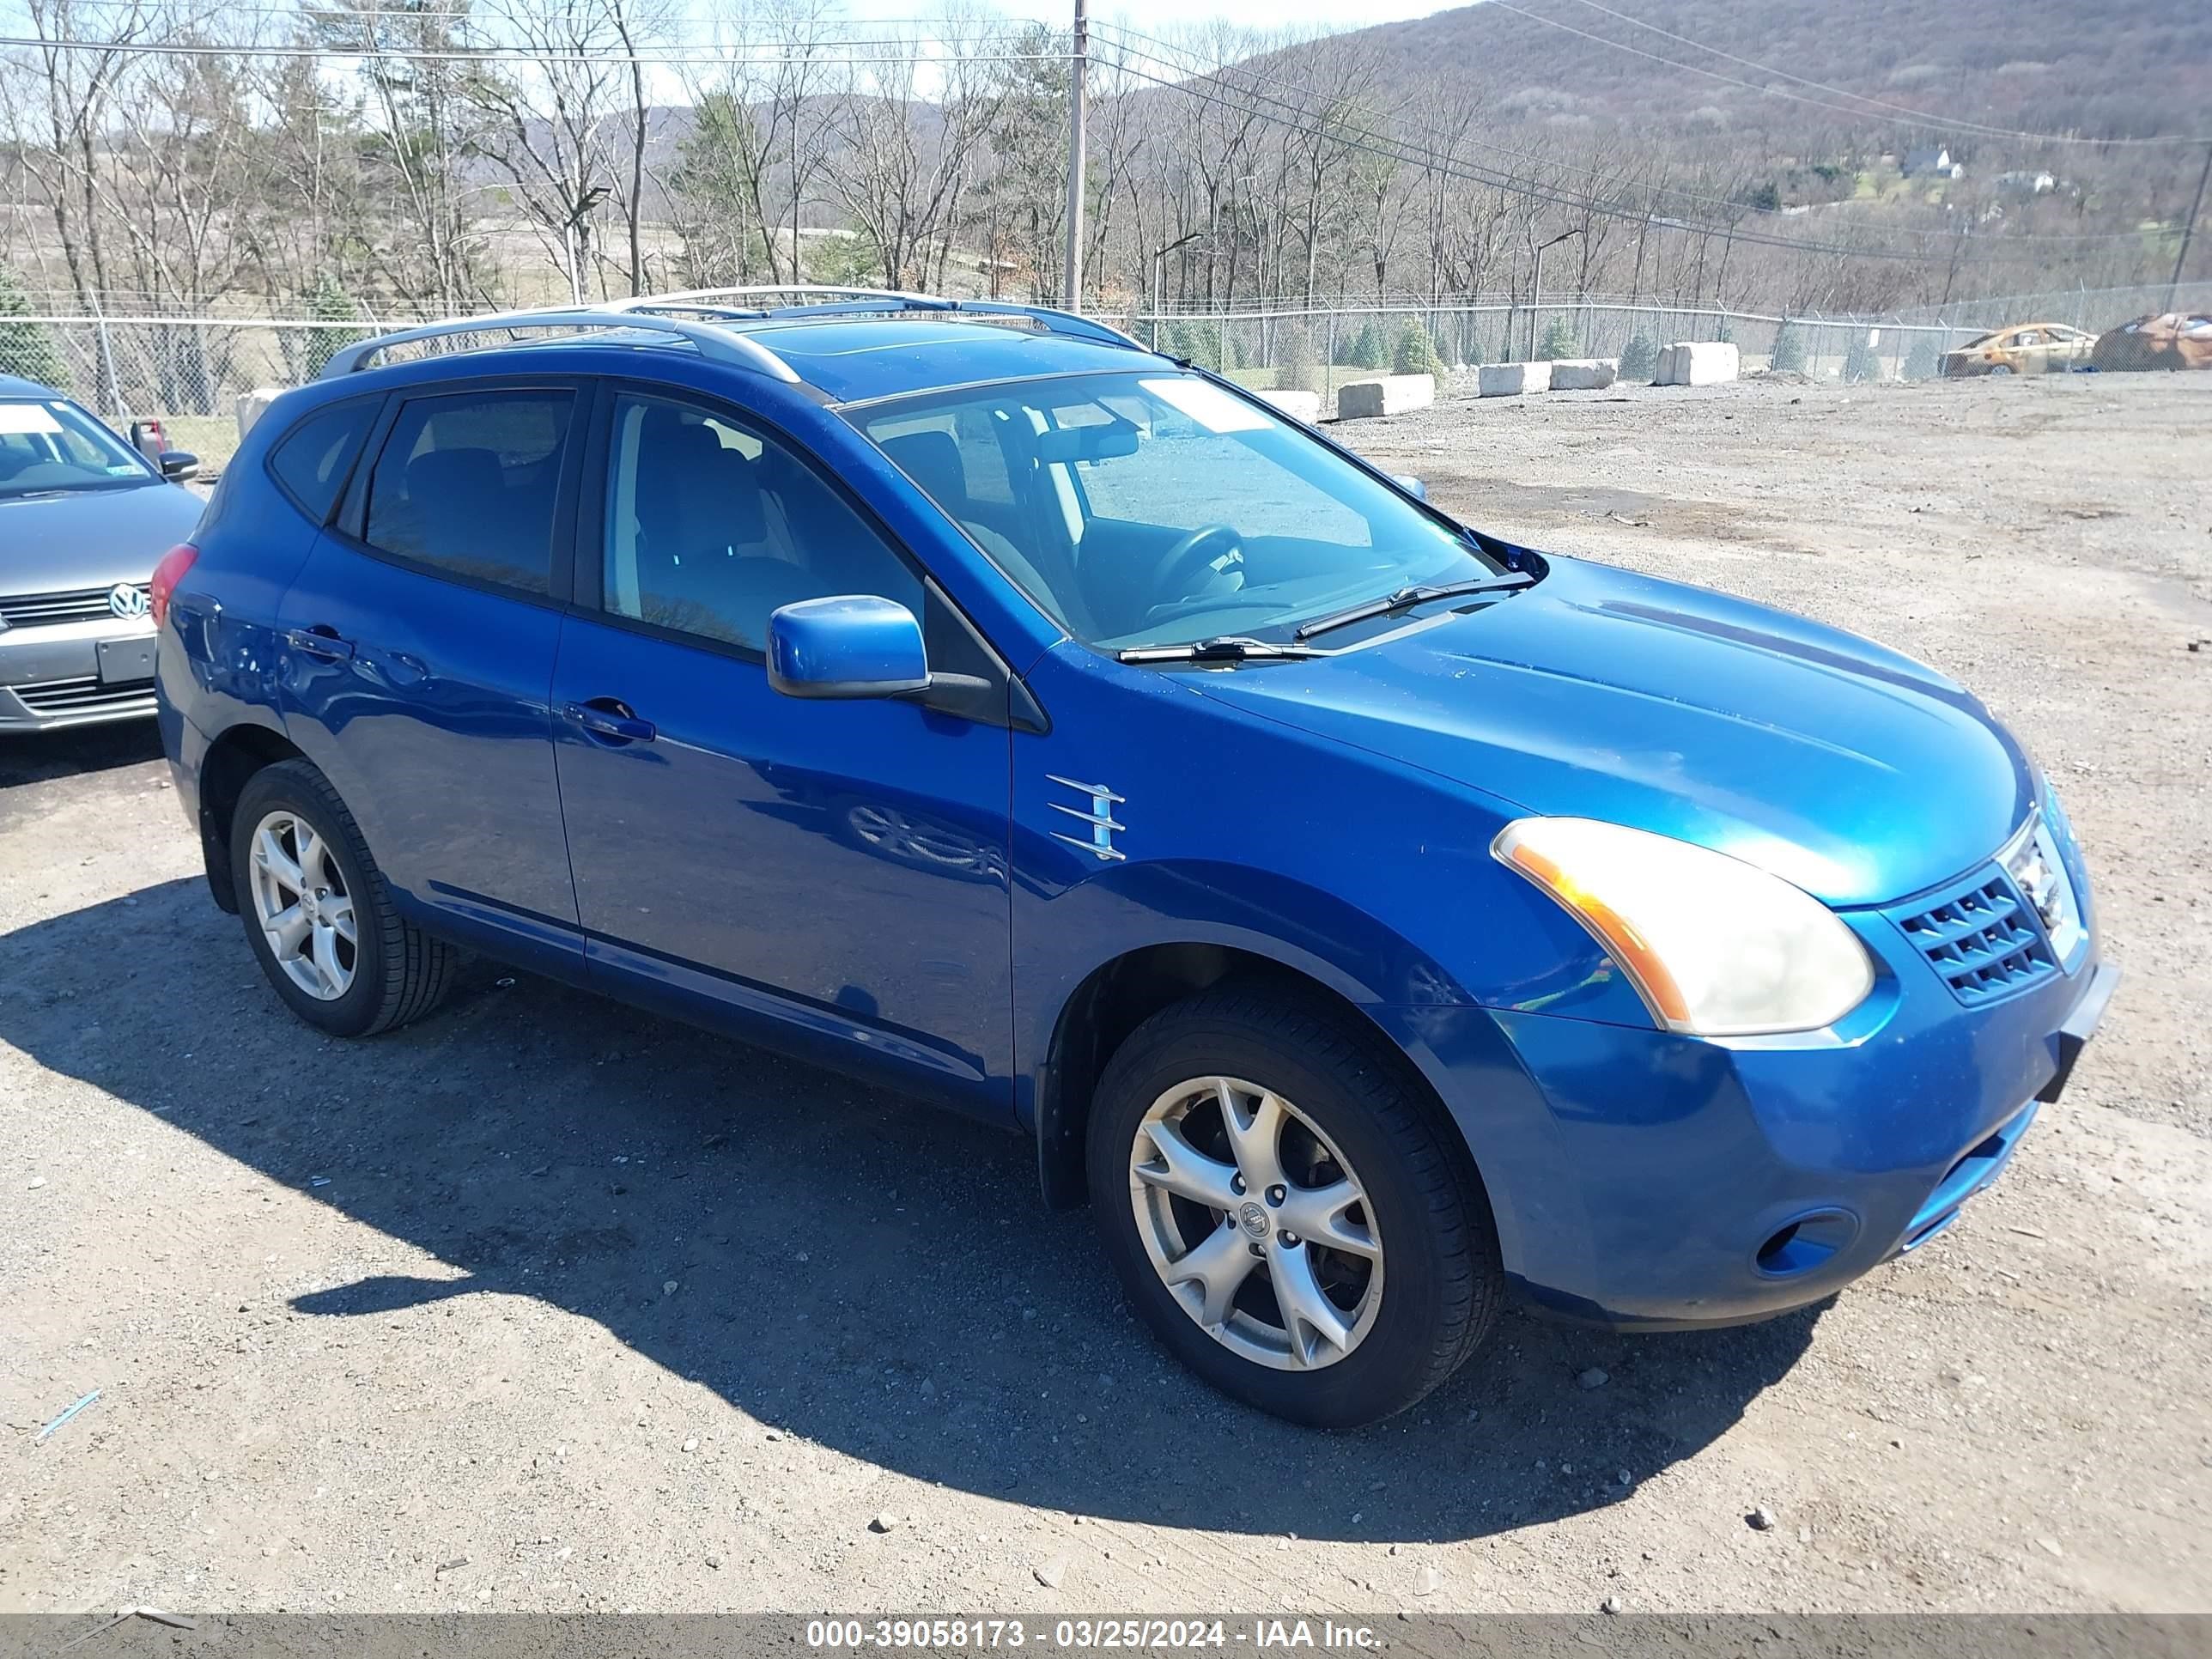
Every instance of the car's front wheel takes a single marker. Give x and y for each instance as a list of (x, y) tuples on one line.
[(1285, 1211), (318, 915)]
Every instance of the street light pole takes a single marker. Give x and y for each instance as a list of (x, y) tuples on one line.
[(1078, 67), (1160, 277), (1536, 285), (2189, 229)]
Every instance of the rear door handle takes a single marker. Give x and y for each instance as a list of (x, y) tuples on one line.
[(321, 641), (612, 719)]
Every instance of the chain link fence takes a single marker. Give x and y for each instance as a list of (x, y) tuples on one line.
[(188, 372), (1320, 347)]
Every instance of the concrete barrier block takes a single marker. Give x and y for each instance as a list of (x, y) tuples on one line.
[(1584, 373), (251, 405), (1298, 406), (1696, 362), (1386, 394), (1512, 379)]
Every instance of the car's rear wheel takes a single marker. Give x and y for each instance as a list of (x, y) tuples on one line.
[(1285, 1211), (318, 914)]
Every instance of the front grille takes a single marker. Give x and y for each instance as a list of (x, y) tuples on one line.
[(87, 698), (40, 610), (1983, 939)]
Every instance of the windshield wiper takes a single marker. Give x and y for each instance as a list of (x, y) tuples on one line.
[(1228, 648), (1405, 598)]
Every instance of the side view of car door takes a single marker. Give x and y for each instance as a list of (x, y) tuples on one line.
[(418, 643), (826, 875)]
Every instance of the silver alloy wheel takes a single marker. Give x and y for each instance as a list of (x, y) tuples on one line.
[(1256, 1223), (299, 899)]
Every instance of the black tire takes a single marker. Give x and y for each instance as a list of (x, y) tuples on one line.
[(399, 972), (1444, 1286)]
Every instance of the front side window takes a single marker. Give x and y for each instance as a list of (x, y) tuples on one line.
[(50, 448), (711, 527), (468, 484), (1147, 510)]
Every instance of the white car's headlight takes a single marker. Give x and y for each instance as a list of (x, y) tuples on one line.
[(1717, 946)]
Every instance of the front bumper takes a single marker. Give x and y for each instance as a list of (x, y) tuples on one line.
[(78, 673), (1644, 1179)]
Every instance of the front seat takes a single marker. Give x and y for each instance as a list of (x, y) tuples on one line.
[(932, 460)]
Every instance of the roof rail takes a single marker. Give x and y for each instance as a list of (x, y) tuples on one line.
[(709, 299), (720, 344), (868, 300), (1055, 321)]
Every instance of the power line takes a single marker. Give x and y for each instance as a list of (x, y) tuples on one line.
[(1214, 68), (1917, 116), (525, 55), (1452, 169), (1440, 145), (1447, 162)]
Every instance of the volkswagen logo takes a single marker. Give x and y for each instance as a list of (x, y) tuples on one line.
[(1253, 1219), (128, 602)]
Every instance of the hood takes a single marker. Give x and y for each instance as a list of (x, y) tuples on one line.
[(93, 538), (1853, 772)]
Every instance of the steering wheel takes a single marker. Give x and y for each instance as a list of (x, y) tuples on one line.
[(1192, 553)]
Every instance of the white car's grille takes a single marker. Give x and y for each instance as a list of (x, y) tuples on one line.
[(41, 609)]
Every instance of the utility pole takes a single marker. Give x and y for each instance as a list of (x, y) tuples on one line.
[(1077, 68), (2188, 225)]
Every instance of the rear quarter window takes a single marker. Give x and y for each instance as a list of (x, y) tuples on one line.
[(312, 462)]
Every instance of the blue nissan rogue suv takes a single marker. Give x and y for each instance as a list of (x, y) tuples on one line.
[(1368, 916)]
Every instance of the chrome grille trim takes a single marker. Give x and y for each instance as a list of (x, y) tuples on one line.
[(76, 606), (86, 697)]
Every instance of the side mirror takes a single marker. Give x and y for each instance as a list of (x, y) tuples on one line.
[(179, 466), (1412, 485), (847, 647)]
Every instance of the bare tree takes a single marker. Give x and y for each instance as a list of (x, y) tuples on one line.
[(761, 112), (548, 112), (905, 157), (637, 23), (60, 123), (424, 240)]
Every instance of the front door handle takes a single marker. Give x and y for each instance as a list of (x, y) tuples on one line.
[(320, 642), (612, 719)]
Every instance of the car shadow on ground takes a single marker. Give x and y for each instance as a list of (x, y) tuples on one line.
[(39, 757), (864, 1272)]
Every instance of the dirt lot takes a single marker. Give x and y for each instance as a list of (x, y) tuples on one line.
[(546, 1304)]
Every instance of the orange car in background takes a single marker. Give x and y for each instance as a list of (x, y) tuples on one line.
[(2179, 339), (2023, 349)]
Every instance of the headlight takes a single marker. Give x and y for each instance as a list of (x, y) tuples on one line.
[(1716, 946)]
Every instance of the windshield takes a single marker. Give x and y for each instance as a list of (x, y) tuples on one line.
[(48, 448), (1155, 509)]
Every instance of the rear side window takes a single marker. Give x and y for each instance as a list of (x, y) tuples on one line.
[(312, 461), (468, 484)]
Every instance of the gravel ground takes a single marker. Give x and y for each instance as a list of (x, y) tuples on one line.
[(545, 1305)]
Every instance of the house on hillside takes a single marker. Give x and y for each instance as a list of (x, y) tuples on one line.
[(2022, 185), (1934, 163)]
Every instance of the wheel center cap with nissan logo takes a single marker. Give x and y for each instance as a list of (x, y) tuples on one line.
[(1253, 1219)]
